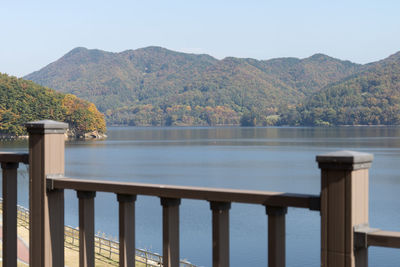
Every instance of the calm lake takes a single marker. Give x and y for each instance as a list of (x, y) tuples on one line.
[(273, 159)]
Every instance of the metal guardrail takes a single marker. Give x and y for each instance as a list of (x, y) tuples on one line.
[(106, 247)]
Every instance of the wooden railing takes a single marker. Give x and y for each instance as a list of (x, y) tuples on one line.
[(343, 206), (170, 196), (105, 247), (9, 165)]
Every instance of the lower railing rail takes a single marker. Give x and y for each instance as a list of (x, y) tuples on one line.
[(384, 239), (365, 236)]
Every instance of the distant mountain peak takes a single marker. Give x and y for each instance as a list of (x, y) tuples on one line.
[(77, 50), (320, 57), (155, 48)]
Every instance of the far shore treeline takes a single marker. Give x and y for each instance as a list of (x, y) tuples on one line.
[(154, 86), (22, 101)]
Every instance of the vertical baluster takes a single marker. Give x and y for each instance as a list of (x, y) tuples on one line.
[(9, 213), (170, 231), (126, 230), (56, 225), (86, 228), (276, 236), (46, 157), (220, 233)]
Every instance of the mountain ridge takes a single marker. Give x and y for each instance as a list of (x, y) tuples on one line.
[(370, 97), (158, 86)]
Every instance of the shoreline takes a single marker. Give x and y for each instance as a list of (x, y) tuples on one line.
[(239, 126), (101, 136), (86, 136)]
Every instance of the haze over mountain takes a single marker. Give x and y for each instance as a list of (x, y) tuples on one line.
[(157, 86)]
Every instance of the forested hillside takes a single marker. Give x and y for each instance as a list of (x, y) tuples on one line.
[(156, 86), (371, 97), (22, 101)]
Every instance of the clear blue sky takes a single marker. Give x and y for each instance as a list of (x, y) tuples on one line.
[(36, 33)]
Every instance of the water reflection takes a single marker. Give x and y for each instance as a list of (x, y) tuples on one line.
[(348, 137)]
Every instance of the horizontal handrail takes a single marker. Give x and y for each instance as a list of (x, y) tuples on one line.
[(190, 192), (384, 239), (365, 237), (12, 157)]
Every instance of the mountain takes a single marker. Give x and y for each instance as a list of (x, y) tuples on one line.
[(371, 97), (157, 86), (22, 101)]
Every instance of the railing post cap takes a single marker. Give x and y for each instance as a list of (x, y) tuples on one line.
[(347, 160), (46, 126)]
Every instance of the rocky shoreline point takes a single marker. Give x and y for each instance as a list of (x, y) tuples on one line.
[(71, 134), (68, 135)]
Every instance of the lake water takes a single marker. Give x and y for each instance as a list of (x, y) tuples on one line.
[(273, 159)]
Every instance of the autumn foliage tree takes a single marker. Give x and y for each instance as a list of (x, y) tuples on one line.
[(82, 115), (22, 101)]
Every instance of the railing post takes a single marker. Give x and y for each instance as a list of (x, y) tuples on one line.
[(9, 213), (126, 230), (170, 231), (344, 205), (276, 236), (46, 157), (220, 233)]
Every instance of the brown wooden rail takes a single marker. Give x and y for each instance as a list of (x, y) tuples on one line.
[(384, 239), (9, 164), (365, 236), (220, 200), (105, 246), (267, 198), (11, 157)]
